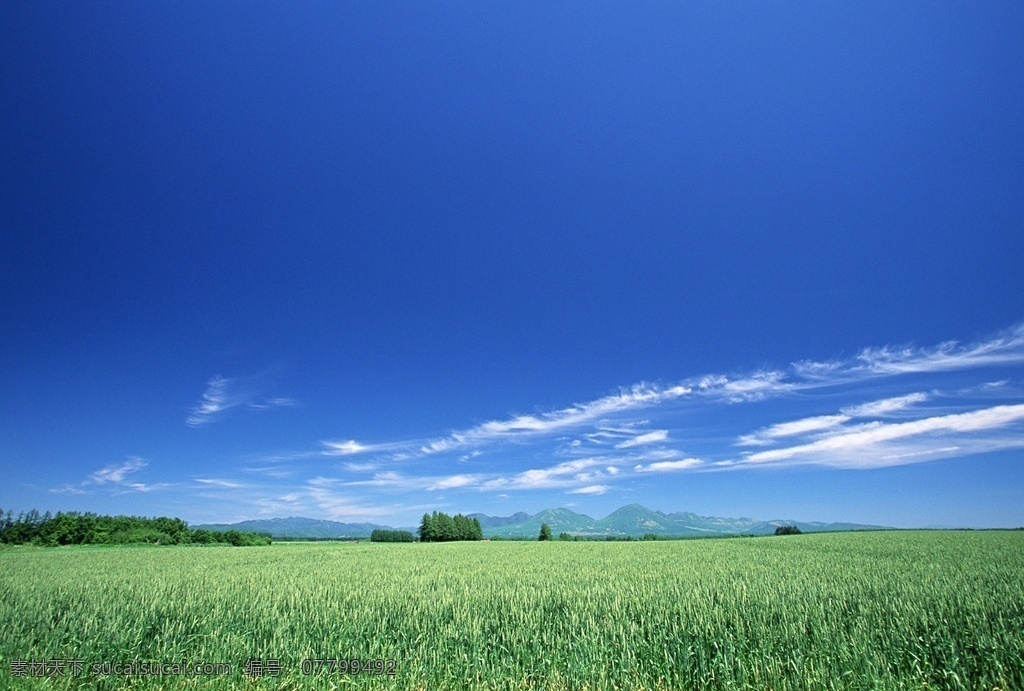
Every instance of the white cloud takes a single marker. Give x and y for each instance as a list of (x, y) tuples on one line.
[(590, 489), (561, 475), (453, 482), (223, 394), (219, 482), (271, 471), (639, 396), (648, 438), (871, 444), (279, 402), (787, 429), (116, 473), (756, 387), (669, 466), (826, 424), (361, 467), (113, 477), (341, 507), (521, 427), (389, 479), (594, 431), (1001, 349), (733, 389), (885, 406), (215, 399), (67, 489), (344, 448)]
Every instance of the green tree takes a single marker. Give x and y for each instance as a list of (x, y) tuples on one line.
[(203, 537), (426, 528), (545, 532), (463, 527), (388, 535), (445, 528)]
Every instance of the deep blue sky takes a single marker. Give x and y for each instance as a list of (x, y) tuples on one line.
[(362, 260)]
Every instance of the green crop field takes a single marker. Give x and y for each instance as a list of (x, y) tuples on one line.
[(892, 610)]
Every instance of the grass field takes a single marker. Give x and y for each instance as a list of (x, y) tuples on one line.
[(890, 610)]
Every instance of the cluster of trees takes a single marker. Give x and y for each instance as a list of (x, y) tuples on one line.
[(787, 530), (440, 527), (384, 535), (75, 528)]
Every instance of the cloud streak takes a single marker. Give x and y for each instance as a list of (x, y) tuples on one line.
[(655, 437), (117, 473), (115, 476), (883, 407), (878, 444), (886, 406), (340, 506), (223, 394), (1004, 348), (215, 400), (669, 466)]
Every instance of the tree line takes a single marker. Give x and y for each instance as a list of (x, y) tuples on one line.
[(386, 535), (73, 528), (440, 527)]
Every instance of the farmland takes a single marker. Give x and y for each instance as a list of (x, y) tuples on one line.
[(883, 610)]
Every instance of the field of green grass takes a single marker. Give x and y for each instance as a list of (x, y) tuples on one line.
[(888, 610)]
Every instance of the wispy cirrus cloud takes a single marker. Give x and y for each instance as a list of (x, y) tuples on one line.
[(344, 448), (562, 475), (219, 482), (590, 489), (116, 473), (116, 477), (753, 387), (638, 397), (669, 466), (1004, 348), (270, 403), (884, 406), (67, 489), (824, 423), (215, 400), (454, 482), (788, 429), (338, 505), (879, 444), (520, 427), (735, 389), (223, 394), (654, 437)]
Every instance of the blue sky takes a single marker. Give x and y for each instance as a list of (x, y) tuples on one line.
[(360, 261)]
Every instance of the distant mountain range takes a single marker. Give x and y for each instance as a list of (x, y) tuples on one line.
[(297, 528), (632, 520)]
